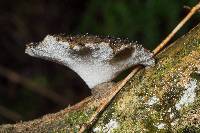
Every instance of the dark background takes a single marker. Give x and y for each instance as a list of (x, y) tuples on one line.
[(24, 80)]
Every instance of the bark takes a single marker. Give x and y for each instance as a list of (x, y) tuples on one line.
[(163, 98)]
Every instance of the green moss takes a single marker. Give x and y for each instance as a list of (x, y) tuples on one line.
[(189, 129), (149, 124), (191, 46), (195, 76), (76, 118)]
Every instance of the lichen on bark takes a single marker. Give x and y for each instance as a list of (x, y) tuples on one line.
[(163, 98)]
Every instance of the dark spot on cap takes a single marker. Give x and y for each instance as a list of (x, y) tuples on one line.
[(122, 54)]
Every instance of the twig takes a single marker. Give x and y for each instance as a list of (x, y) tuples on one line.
[(106, 101), (176, 29), (9, 114), (16, 78), (189, 8)]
